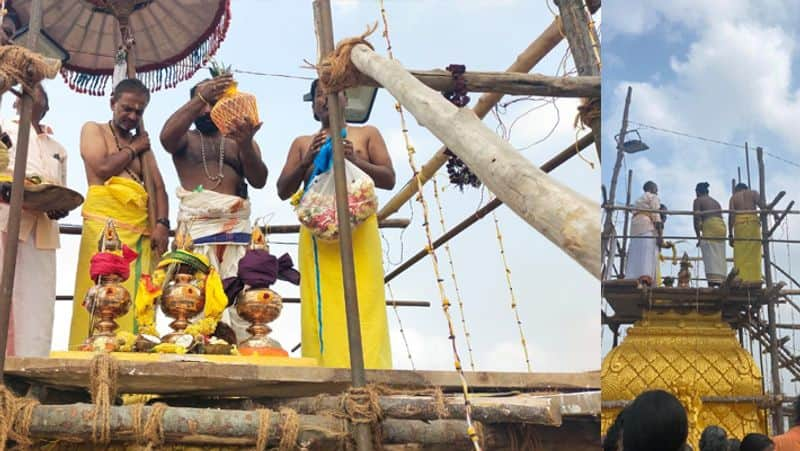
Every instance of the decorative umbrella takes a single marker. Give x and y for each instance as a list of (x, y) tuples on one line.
[(173, 38)]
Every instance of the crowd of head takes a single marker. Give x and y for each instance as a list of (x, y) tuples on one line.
[(656, 421)]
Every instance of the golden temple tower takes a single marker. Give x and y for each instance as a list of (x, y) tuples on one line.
[(694, 356)]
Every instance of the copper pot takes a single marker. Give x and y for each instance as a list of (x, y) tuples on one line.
[(259, 306), (106, 301), (182, 299)]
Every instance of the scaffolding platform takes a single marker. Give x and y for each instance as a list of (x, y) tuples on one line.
[(221, 400), (629, 299), (190, 376)]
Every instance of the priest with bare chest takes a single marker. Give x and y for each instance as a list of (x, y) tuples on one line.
[(215, 171)]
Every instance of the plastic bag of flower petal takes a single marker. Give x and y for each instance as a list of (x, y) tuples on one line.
[(317, 208)]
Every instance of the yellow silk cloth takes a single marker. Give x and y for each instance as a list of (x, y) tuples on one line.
[(323, 318), (125, 202), (150, 289), (747, 254)]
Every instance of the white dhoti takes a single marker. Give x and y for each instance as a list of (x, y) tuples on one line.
[(220, 229), (714, 249), (643, 252), (30, 327)]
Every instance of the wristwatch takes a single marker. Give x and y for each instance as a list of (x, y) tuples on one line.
[(164, 222)]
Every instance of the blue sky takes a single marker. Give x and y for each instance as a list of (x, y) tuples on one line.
[(557, 298), (721, 70)]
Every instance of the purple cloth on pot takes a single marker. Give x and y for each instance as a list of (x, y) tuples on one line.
[(260, 269)]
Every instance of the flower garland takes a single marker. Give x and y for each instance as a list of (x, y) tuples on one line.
[(209, 281)]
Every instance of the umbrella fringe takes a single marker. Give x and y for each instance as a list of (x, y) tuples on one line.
[(163, 78)]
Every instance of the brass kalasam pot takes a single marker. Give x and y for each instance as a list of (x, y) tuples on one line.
[(259, 306), (182, 299), (106, 301)]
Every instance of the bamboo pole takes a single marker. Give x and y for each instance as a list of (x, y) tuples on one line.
[(392, 223), (777, 420), (389, 302), (608, 227), (582, 44), (624, 252), (527, 190), (18, 184), (686, 237), (123, 18), (526, 60), (705, 212), (324, 30), (513, 83), (548, 166)]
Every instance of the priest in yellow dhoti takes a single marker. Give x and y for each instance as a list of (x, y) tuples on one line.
[(710, 230), (323, 318), (115, 160), (745, 233)]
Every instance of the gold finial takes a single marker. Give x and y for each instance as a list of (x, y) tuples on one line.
[(109, 238), (183, 239), (258, 240)]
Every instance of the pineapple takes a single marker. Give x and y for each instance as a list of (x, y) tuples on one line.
[(232, 103)]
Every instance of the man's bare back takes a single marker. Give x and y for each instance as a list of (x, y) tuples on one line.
[(707, 203), (744, 200)]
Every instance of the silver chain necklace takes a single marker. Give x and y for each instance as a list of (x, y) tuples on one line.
[(217, 179)]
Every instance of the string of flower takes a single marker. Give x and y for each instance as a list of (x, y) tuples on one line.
[(471, 432), (402, 332), (511, 290), (453, 274)]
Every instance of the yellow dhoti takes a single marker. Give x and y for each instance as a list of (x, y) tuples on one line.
[(124, 201), (323, 320), (747, 254)]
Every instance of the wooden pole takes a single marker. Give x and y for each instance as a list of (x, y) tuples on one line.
[(582, 44), (324, 21), (531, 409), (528, 192), (193, 426), (123, 19), (624, 253), (691, 213), (227, 428), (608, 227), (17, 191), (548, 166), (393, 223), (777, 419), (747, 163), (389, 302), (513, 83), (526, 60)]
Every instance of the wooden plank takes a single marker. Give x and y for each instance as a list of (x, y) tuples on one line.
[(203, 378), (629, 301)]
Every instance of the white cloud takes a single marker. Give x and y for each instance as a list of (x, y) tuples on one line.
[(734, 79)]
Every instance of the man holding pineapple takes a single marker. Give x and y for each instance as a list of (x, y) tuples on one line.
[(214, 169)]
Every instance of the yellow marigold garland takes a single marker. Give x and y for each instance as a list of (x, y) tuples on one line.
[(150, 287)]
